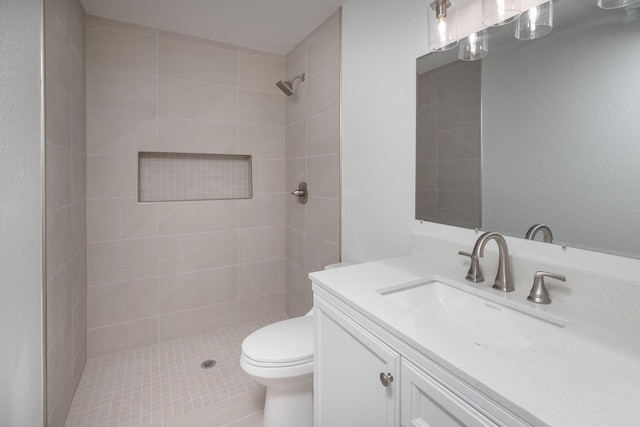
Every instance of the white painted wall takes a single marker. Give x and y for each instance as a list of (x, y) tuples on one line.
[(20, 214), (381, 40)]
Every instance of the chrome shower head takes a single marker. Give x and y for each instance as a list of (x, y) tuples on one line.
[(287, 86)]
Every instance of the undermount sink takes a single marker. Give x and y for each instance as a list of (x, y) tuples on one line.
[(487, 323)]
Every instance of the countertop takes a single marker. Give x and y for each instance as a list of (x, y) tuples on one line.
[(585, 374)]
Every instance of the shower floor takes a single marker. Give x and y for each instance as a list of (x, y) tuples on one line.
[(164, 385)]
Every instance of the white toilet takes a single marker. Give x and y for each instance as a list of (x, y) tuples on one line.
[(280, 357)]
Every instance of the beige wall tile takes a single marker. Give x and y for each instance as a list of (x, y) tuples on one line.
[(58, 54), (122, 260), (59, 359), (296, 140), (58, 179), (324, 49), (116, 219), (59, 293), (79, 362), (195, 100), (263, 306), (296, 247), (262, 108), (78, 177), (459, 175), (79, 327), (180, 254), (197, 136), (268, 176), (112, 177), (79, 129), (121, 302), (261, 244), (262, 142), (79, 276), (260, 72), (262, 278), (123, 93), (320, 253), (121, 50), (297, 60), (462, 79), (125, 336), (262, 53), (97, 20), (324, 91), (187, 291), (296, 282), (197, 62), (296, 214), (120, 135), (59, 239), (296, 105), (294, 307), (197, 217), (323, 219), (199, 320), (57, 114), (459, 112), (78, 74), (79, 226), (323, 133), (296, 172), (263, 210), (324, 176), (196, 40)]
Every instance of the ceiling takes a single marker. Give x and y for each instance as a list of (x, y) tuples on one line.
[(269, 25)]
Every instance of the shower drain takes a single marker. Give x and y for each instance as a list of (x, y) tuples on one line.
[(210, 363)]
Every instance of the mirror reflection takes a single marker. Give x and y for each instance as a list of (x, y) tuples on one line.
[(543, 131)]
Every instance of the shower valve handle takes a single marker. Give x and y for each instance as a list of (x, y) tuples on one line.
[(301, 193)]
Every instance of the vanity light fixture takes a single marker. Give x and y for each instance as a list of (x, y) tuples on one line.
[(500, 12), (443, 33), (474, 47), (536, 22), (615, 4)]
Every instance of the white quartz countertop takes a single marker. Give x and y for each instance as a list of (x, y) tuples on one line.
[(585, 374)]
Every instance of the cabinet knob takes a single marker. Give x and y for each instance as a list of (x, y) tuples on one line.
[(385, 379)]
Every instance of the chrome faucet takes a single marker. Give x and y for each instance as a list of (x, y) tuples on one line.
[(503, 278), (547, 236)]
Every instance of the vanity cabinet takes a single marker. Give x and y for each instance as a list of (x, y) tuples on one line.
[(349, 390), (365, 376)]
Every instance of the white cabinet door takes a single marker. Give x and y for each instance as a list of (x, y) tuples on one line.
[(348, 390), (426, 403)]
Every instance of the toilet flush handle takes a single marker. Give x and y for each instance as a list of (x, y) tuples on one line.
[(385, 379)]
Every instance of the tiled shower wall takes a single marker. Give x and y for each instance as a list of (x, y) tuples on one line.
[(65, 163), (313, 156), (158, 271), (448, 145)]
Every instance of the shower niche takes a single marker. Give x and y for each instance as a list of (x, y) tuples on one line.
[(167, 177)]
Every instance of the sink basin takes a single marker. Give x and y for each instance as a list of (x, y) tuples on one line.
[(486, 323)]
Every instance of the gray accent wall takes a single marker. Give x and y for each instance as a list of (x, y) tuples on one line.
[(21, 214)]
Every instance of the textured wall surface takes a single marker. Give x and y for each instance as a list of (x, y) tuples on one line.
[(313, 156), (159, 271), (21, 209), (66, 183)]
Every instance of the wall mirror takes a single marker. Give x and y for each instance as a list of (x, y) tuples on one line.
[(538, 131)]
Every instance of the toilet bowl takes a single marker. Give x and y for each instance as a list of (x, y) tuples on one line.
[(280, 357)]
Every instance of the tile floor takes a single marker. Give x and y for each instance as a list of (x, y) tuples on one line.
[(157, 385)]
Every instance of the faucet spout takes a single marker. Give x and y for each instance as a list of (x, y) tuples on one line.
[(503, 277), (547, 236)]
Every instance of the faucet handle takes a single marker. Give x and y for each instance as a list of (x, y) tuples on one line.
[(475, 273), (539, 293)]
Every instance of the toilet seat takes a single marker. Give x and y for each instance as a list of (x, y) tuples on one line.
[(281, 344)]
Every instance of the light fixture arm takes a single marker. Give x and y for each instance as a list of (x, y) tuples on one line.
[(440, 7)]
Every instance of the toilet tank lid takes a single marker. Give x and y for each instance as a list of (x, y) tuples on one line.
[(289, 340)]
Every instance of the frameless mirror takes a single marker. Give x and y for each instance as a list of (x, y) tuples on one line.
[(539, 131)]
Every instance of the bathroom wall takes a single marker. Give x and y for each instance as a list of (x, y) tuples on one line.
[(380, 44), (65, 136), (448, 145), (313, 156), (158, 271), (21, 214)]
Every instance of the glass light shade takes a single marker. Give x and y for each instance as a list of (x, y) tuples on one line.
[(536, 22), (443, 33), (615, 4), (474, 47), (500, 12)]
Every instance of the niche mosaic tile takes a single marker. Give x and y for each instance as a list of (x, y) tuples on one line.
[(164, 177)]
